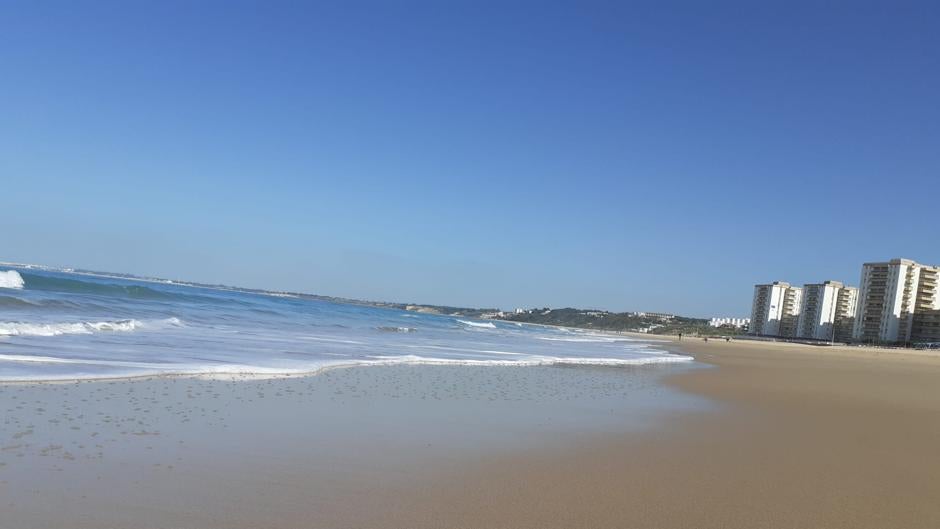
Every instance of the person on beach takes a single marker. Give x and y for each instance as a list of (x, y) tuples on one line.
[(680, 336)]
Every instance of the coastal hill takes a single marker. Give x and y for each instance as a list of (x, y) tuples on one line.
[(647, 322)]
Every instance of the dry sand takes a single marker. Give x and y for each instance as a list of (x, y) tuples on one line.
[(772, 435)]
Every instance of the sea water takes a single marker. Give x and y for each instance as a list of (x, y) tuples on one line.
[(56, 325)]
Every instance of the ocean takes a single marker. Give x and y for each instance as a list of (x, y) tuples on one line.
[(57, 325)]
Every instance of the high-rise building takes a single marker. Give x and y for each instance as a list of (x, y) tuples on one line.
[(775, 310), (846, 306), (827, 311), (898, 303), (926, 327)]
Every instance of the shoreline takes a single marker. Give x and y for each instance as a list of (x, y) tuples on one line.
[(251, 376), (248, 375)]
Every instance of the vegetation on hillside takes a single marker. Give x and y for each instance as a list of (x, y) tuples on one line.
[(619, 321)]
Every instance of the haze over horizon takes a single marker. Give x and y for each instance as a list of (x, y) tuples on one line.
[(588, 155)]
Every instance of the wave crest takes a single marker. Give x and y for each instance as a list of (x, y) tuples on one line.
[(14, 328), (396, 329), (487, 325), (11, 279)]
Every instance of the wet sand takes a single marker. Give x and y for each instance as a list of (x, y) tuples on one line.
[(333, 450), (770, 435)]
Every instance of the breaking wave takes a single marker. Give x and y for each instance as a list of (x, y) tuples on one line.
[(82, 327), (396, 329), (110, 288), (11, 279), (487, 325)]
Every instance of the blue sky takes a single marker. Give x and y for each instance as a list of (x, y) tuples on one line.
[(613, 155)]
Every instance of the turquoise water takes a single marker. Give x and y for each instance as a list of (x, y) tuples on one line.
[(60, 325)]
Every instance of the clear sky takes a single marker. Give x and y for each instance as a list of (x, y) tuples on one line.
[(655, 156)]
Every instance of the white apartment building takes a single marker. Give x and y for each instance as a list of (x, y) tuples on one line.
[(846, 307), (926, 326), (898, 303), (658, 315), (776, 309), (827, 311), (734, 322)]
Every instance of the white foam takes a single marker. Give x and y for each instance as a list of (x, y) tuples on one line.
[(14, 328), (11, 279), (224, 370), (586, 339), (396, 329), (487, 325), (144, 369), (531, 361), (57, 360), (332, 340)]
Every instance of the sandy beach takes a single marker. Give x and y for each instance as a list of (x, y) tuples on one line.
[(754, 435), (807, 437)]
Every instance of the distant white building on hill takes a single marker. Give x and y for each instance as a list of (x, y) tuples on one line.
[(898, 302), (733, 322), (658, 315), (775, 310), (827, 311)]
